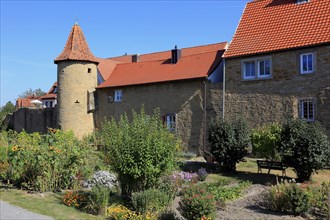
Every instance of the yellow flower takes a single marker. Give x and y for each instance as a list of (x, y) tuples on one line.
[(15, 148), (58, 151)]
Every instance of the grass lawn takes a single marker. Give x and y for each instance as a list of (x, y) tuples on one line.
[(46, 203)]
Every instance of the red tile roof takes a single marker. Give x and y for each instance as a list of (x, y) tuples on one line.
[(76, 47), (106, 66), (272, 25), (50, 94), (195, 62), (25, 102)]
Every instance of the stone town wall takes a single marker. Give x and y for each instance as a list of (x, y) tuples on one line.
[(34, 120), (75, 79), (276, 99)]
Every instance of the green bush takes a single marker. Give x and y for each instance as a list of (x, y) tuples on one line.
[(152, 200), (320, 200), (45, 163), (265, 142), (288, 197), (228, 142), (97, 200), (304, 147), (197, 202), (139, 151)]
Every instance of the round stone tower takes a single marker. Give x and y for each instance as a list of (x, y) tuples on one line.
[(77, 79)]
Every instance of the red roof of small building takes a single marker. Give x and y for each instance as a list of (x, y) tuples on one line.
[(195, 62), (25, 102), (51, 94), (273, 25), (76, 48)]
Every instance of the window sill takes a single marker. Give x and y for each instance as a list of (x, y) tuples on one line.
[(257, 79)]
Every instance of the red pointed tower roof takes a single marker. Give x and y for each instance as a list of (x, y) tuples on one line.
[(76, 48)]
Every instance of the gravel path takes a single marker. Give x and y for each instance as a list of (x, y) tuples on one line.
[(248, 207), (8, 212)]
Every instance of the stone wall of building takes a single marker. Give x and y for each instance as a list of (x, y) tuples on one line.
[(275, 99), (75, 80), (185, 98), (34, 120)]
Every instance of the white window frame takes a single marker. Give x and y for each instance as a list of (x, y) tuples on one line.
[(244, 69), (310, 115), (302, 71), (270, 68), (257, 74), (170, 121), (118, 95)]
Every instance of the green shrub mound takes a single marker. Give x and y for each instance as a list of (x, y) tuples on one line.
[(140, 151), (304, 147), (229, 141), (152, 200), (297, 199)]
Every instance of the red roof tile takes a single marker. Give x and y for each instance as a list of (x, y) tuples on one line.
[(271, 25), (107, 66), (197, 62), (76, 47), (50, 94), (24, 102)]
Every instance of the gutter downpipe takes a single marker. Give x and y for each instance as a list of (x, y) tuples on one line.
[(205, 128), (223, 89)]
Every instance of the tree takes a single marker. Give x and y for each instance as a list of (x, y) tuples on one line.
[(265, 141), (29, 92), (6, 109), (228, 142), (305, 147), (140, 151)]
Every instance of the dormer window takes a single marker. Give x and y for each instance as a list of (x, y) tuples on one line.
[(302, 1)]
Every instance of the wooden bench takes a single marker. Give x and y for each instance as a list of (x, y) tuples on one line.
[(271, 165)]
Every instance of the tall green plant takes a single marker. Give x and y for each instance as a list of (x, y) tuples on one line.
[(140, 150), (266, 140), (228, 142), (304, 147), (45, 163)]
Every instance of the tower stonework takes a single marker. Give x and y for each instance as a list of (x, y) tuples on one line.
[(77, 79)]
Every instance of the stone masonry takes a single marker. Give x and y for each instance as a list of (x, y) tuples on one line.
[(75, 79), (276, 99)]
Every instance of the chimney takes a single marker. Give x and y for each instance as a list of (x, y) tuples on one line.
[(135, 58), (176, 54)]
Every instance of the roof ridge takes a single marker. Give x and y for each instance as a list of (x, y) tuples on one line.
[(168, 50), (149, 61)]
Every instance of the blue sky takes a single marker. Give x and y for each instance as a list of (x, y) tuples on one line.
[(33, 33)]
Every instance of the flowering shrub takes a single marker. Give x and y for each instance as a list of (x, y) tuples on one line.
[(102, 178), (44, 163), (119, 212), (197, 202), (180, 177), (288, 197), (202, 174), (73, 199)]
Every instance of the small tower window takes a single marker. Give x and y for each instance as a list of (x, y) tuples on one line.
[(89, 70)]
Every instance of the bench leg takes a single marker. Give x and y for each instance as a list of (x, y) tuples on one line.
[(269, 171)]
